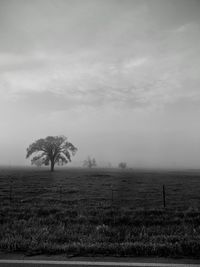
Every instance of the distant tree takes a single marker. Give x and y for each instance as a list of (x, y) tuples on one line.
[(122, 165), (38, 163), (109, 165), (90, 163), (51, 150)]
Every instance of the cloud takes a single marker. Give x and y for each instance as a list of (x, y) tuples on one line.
[(133, 63), (123, 55), (69, 82)]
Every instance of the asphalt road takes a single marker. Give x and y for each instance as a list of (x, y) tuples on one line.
[(46, 263)]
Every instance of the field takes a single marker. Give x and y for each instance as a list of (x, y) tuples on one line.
[(100, 212)]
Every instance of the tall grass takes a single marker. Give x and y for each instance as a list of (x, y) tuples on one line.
[(99, 231), (81, 219)]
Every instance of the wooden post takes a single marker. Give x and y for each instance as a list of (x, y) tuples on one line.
[(112, 207), (164, 200), (112, 196), (10, 192), (60, 193)]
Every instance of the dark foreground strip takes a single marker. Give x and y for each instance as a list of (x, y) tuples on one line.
[(93, 263)]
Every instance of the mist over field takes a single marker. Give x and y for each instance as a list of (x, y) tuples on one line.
[(110, 88), (119, 78)]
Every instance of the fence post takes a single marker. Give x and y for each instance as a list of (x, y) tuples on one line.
[(164, 200), (112, 197), (10, 191), (60, 192), (112, 207)]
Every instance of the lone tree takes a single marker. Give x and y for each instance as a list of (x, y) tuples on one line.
[(51, 150), (90, 163), (122, 165)]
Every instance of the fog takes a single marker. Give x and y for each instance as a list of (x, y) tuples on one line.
[(119, 78)]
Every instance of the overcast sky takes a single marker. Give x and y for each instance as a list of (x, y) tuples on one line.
[(121, 79)]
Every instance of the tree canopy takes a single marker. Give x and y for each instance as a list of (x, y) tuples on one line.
[(51, 150), (90, 163), (122, 165)]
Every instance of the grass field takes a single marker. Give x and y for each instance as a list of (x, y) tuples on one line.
[(100, 212)]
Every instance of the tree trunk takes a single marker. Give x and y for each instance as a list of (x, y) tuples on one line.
[(52, 165)]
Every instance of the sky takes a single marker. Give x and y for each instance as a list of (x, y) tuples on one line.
[(120, 79)]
